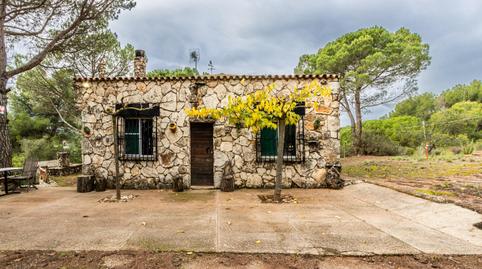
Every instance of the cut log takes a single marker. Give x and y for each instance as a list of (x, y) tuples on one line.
[(177, 184), (227, 181), (85, 183), (227, 184), (100, 184)]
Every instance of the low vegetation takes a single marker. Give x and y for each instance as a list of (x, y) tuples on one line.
[(450, 122), (454, 178)]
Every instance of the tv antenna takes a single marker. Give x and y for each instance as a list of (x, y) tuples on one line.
[(211, 66), (194, 57)]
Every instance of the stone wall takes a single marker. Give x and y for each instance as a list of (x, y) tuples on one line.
[(230, 144)]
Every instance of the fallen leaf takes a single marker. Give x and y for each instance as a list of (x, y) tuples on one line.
[(180, 231), (189, 252), (258, 241)]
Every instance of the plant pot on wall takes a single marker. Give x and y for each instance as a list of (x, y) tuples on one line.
[(173, 127)]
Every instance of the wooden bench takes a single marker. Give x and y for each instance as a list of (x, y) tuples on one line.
[(27, 177)]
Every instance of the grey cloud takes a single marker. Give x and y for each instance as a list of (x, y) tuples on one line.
[(255, 37)]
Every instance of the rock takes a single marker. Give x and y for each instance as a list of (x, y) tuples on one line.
[(320, 176), (89, 118), (254, 181), (220, 91), (140, 86), (243, 141), (168, 102), (324, 110), (149, 172), (87, 160), (298, 181), (135, 171), (173, 137), (226, 146), (182, 169), (166, 158), (210, 101), (261, 171), (220, 159)]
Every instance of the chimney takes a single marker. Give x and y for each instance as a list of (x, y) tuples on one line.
[(140, 62), (101, 69)]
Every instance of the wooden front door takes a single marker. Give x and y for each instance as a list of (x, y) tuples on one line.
[(202, 159)]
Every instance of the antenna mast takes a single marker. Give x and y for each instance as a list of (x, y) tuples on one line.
[(211, 67), (194, 57)]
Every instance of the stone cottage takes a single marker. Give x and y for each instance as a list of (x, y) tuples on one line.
[(158, 141)]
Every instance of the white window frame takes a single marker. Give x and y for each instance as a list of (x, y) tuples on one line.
[(139, 129)]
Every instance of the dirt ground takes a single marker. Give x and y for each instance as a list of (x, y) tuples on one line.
[(141, 259), (456, 181)]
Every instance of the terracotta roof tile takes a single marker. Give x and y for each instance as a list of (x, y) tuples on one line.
[(212, 77)]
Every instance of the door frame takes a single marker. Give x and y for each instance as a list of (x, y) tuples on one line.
[(209, 125)]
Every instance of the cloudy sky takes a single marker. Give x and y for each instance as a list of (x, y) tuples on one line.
[(268, 36)]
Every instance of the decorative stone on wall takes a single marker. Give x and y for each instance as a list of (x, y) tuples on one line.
[(230, 144)]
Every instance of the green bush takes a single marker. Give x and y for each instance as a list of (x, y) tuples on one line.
[(18, 159), (41, 149), (468, 148), (379, 145)]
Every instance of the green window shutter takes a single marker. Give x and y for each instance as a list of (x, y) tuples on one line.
[(269, 139), (132, 136)]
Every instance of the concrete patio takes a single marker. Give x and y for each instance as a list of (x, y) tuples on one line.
[(360, 219)]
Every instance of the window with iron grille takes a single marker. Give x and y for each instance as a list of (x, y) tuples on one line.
[(137, 133), (294, 146)]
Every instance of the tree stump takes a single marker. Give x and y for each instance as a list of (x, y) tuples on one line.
[(100, 184), (227, 182), (85, 183), (333, 178), (177, 184)]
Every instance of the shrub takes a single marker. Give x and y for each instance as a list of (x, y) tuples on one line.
[(380, 145), (41, 149), (18, 159), (468, 148)]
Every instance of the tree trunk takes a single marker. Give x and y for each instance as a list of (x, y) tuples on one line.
[(116, 158), (5, 143), (358, 124), (344, 103), (279, 160)]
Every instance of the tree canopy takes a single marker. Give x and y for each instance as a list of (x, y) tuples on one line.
[(180, 72), (377, 67), (462, 92), (84, 55), (43, 28), (421, 106)]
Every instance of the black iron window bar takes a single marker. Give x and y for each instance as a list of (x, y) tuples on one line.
[(294, 147), (137, 133)]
